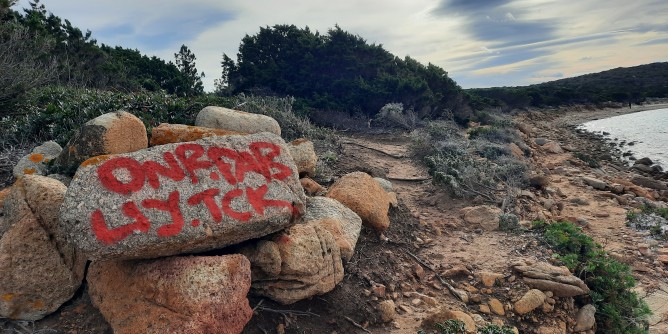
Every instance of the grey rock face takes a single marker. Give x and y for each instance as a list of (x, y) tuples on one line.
[(35, 162), (182, 197), (235, 120)]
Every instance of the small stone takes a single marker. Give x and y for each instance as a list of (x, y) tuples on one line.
[(387, 310), (488, 278), (418, 271), (484, 216), (530, 301), (379, 290), (416, 301), (496, 306), (485, 309), (585, 318)]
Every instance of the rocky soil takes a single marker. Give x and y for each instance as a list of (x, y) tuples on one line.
[(440, 260)]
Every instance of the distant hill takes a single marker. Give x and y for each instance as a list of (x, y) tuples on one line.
[(624, 85)]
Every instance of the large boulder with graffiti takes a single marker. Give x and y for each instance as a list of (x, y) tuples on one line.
[(182, 197)]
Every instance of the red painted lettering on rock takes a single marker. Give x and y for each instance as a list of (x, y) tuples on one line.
[(189, 162)]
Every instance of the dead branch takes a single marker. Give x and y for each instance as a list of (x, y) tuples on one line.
[(286, 312), (441, 279), (356, 324)]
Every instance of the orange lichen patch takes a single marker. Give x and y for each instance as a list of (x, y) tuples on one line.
[(178, 133), (36, 157), (7, 297), (96, 160), (28, 171), (38, 304)]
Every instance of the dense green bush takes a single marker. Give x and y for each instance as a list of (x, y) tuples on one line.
[(54, 113), (618, 309), (340, 71)]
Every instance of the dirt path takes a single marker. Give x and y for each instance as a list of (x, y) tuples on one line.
[(451, 243), (459, 252)]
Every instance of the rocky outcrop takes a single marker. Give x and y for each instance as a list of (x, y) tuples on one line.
[(205, 294), (181, 198), (649, 183), (344, 224), (547, 277), (36, 162), (235, 120), (303, 153), (111, 133), (362, 194), (178, 133), (298, 263), (38, 270), (594, 183), (485, 216)]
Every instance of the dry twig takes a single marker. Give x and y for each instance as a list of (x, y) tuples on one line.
[(356, 324), (441, 279)]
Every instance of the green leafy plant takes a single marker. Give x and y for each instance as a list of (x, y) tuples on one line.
[(591, 162), (619, 310), (494, 329), (454, 326)]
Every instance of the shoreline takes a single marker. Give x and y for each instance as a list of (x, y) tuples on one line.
[(578, 115)]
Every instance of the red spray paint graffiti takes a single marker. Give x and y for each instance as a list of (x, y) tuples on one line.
[(181, 166)]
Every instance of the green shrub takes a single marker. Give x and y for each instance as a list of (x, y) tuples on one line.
[(495, 134), (55, 113), (591, 162), (618, 309), (509, 222), (454, 326), (494, 329)]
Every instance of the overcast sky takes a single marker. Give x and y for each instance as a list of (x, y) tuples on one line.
[(481, 43)]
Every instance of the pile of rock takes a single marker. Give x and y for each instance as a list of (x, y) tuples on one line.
[(138, 212)]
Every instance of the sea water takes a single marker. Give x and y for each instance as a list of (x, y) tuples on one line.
[(647, 130)]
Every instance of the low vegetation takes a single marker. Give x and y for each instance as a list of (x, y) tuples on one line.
[(649, 218), (458, 327), (618, 309), (480, 165)]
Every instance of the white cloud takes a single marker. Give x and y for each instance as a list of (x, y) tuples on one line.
[(564, 45)]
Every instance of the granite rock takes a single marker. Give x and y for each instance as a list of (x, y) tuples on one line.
[(182, 198)]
